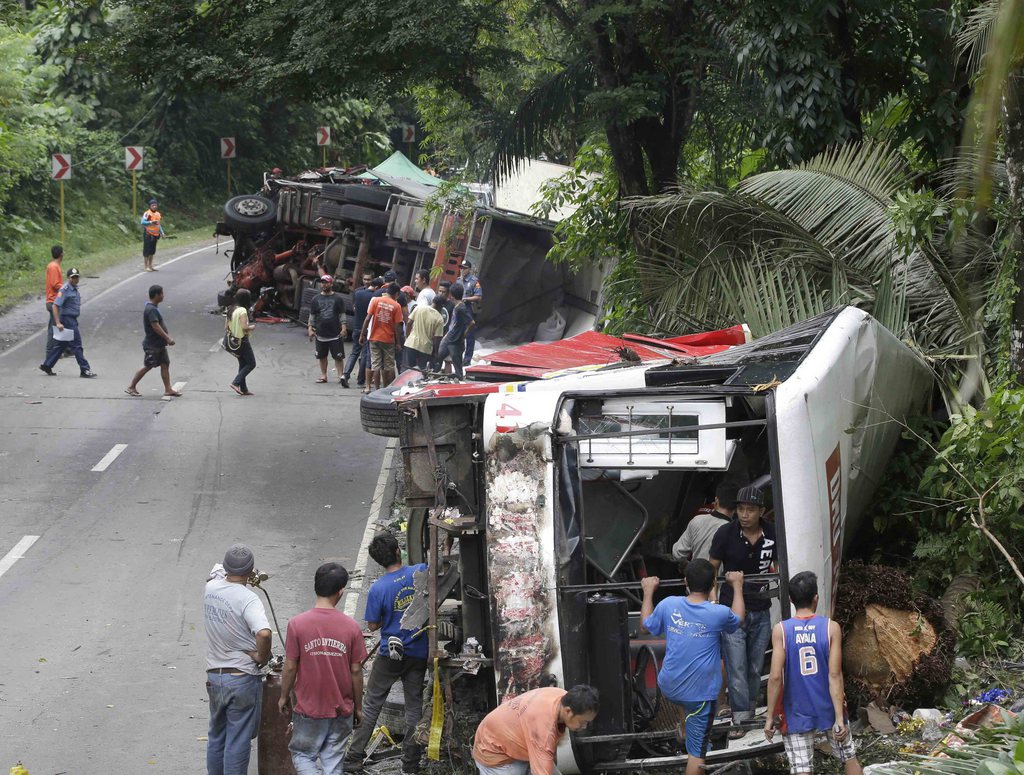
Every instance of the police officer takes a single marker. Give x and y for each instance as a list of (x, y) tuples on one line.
[(472, 294), (66, 308)]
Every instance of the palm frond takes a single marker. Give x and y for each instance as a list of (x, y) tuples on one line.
[(1005, 44), (975, 37), (542, 108), (785, 245)]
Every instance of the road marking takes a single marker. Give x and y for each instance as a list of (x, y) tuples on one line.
[(217, 345), (16, 553), (110, 457), (100, 295), (176, 387), (363, 558)]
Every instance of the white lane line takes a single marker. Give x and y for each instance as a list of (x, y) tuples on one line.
[(100, 295), (217, 345), (353, 596), (110, 457), (16, 553), (177, 387)]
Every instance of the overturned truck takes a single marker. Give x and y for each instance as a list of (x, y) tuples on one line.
[(541, 501)]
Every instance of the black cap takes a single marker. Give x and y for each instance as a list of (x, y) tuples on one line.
[(390, 276), (750, 494), (73, 272)]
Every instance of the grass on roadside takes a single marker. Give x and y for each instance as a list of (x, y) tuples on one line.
[(92, 247)]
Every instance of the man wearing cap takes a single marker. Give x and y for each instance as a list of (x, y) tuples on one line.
[(747, 544), (472, 295), (151, 232), (324, 654), (327, 324), (67, 305), (237, 646)]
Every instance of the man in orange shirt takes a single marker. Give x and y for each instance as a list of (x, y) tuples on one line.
[(54, 280), (151, 232), (383, 327), (522, 734)]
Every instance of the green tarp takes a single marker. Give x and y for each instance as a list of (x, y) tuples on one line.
[(397, 165)]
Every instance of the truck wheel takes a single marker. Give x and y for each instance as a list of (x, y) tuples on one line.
[(371, 196), (249, 212), (378, 413), (363, 216)]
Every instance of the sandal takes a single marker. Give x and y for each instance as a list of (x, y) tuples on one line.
[(736, 734), (236, 389), (321, 380), (134, 392), (724, 712), (173, 393)]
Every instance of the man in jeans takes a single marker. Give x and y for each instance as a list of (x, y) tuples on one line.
[(454, 342), (324, 653), (747, 544), (54, 280), (360, 303), (403, 653), (237, 646)]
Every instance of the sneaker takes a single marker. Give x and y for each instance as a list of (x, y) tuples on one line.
[(344, 382), (46, 370), (88, 374)]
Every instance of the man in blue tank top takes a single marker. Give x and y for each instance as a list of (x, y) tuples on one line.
[(690, 676), (807, 670)]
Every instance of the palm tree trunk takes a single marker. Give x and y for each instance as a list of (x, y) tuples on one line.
[(1013, 137)]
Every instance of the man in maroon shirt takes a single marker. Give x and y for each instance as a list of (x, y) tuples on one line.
[(324, 652)]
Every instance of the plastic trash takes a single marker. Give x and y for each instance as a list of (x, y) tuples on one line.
[(551, 330), (19, 769)]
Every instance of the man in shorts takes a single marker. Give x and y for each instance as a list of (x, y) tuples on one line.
[(327, 324), (154, 345), (807, 671), (690, 676), (383, 329)]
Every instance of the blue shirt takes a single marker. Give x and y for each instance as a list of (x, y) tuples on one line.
[(69, 300), (806, 700), (462, 316), (361, 302), (691, 671), (387, 600), (471, 286)]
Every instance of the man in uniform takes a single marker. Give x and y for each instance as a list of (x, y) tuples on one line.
[(327, 324), (746, 544), (324, 653), (472, 294), (402, 655), (151, 232), (54, 280), (154, 345), (237, 646), (67, 306)]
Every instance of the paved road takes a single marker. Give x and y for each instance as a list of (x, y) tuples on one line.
[(102, 621)]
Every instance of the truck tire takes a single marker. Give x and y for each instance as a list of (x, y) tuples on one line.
[(249, 212), (378, 411), (369, 196), (363, 216)]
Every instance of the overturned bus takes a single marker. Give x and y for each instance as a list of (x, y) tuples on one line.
[(540, 503)]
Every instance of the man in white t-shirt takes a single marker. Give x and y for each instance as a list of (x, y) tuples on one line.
[(421, 284), (237, 646)]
